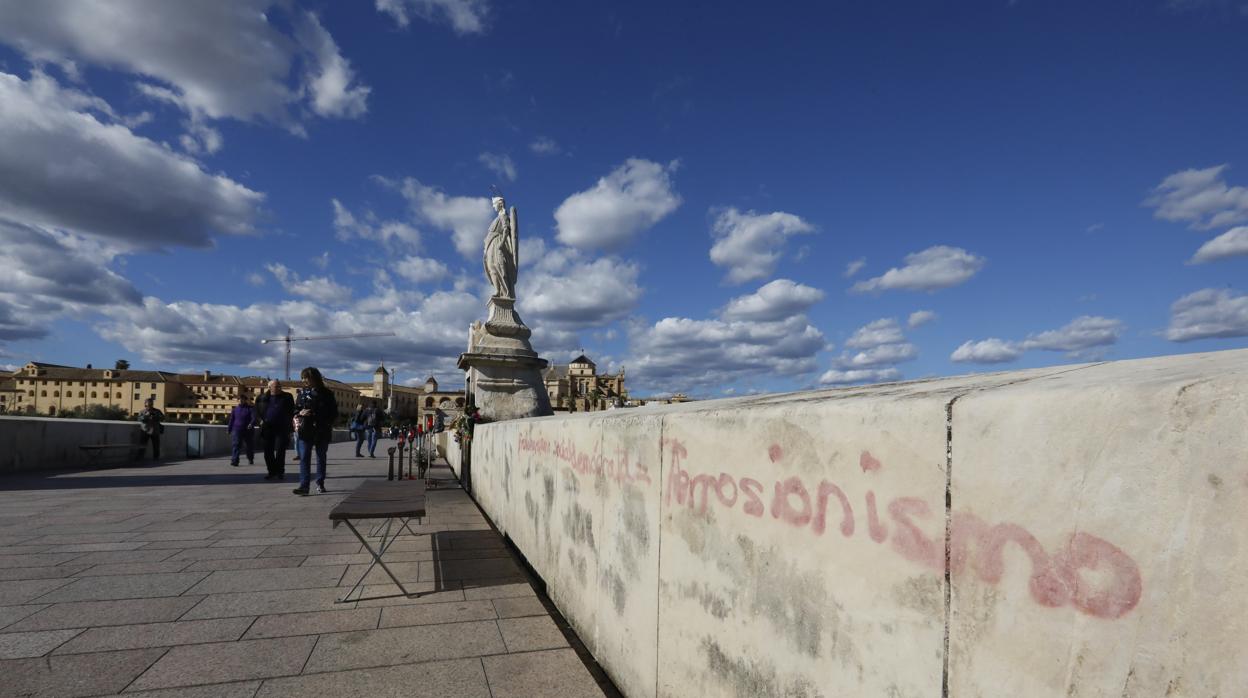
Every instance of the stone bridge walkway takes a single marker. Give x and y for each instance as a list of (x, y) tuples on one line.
[(198, 579)]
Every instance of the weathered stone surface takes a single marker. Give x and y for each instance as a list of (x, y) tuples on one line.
[(124, 586), (519, 606), (98, 613), (224, 581), (243, 689), (528, 634), (314, 623), (33, 644), (132, 568), (460, 678), (54, 572), (12, 614), (427, 614), (405, 645), (247, 563), (500, 591), (227, 661), (26, 590), (550, 673), (72, 675), (126, 637), (260, 603)]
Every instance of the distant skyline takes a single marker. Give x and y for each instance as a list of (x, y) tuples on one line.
[(723, 200)]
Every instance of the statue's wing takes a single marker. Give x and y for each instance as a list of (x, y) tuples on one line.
[(515, 237)]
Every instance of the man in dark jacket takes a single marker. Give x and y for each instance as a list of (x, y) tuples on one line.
[(239, 427), (318, 408), (373, 419), (275, 413), (150, 427)]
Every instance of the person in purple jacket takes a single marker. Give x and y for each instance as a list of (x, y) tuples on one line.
[(242, 418)]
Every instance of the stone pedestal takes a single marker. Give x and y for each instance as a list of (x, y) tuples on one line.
[(504, 373)]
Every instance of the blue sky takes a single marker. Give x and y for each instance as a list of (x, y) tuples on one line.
[(722, 198)]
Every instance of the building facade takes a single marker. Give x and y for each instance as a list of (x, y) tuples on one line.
[(412, 404), (578, 387)]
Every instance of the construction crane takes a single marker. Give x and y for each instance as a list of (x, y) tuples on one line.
[(288, 339)]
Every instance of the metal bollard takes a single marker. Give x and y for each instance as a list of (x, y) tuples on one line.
[(390, 470)]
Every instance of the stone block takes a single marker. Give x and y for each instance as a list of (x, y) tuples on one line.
[(122, 568), (12, 614), (314, 623), (54, 572), (528, 634), (519, 606), (89, 614), (390, 646), (73, 675), (26, 590), (124, 586), (126, 637), (224, 581), (428, 614), (226, 661), (499, 591), (246, 563), (459, 678), (33, 644), (261, 603), (550, 673)]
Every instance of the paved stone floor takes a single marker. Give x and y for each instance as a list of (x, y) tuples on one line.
[(198, 579)]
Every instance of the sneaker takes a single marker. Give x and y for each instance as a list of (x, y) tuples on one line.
[(234, 464), (270, 477), (250, 462), (320, 489), (301, 491), (357, 455)]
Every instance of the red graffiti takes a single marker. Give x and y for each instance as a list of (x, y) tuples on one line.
[(868, 462), (619, 467), (975, 547), (775, 453)]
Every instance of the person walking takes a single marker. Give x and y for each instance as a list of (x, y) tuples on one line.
[(150, 427), (318, 408), (274, 413), (373, 420), (357, 429), (240, 428)]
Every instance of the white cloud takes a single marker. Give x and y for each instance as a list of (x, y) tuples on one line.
[(855, 266), (318, 288), (1232, 243), (929, 270), (875, 333), (773, 301), (466, 16), (421, 270), (680, 354), (223, 59), (255, 278), (545, 146), (500, 164), (65, 164), (1079, 338), (321, 262), (576, 293), (1083, 332), (920, 317), (750, 244), (880, 345), (987, 351), (852, 376), (1208, 313), (466, 217), (329, 78), (1200, 198), (622, 205), (394, 234)]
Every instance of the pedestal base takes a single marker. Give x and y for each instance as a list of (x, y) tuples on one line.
[(506, 385)]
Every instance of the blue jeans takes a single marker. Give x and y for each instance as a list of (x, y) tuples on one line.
[(359, 441), (305, 462), (372, 442), (243, 441)]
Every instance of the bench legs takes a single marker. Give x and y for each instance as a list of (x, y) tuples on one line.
[(386, 541)]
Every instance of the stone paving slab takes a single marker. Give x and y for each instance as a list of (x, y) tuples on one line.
[(388, 646), (190, 665), (33, 644), (464, 678), (75, 675), (188, 579), (551, 673), (129, 637), (100, 613)]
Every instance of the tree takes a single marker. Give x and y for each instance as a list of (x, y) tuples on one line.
[(121, 365)]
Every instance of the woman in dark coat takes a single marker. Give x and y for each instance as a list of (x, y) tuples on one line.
[(319, 409)]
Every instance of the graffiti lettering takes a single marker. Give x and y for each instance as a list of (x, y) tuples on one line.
[(619, 467), (976, 547)]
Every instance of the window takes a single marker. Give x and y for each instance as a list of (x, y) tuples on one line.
[(82, 394), (30, 393), (153, 385), (92, 394), (56, 393), (136, 396)]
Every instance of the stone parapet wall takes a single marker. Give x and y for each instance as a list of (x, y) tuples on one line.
[(35, 443), (1070, 531)]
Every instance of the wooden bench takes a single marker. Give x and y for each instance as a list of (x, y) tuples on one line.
[(400, 501), (95, 452)]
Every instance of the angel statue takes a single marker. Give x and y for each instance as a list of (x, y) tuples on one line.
[(502, 251)]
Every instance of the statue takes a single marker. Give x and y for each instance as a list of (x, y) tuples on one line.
[(502, 257)]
